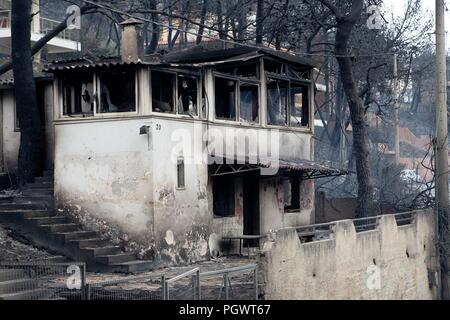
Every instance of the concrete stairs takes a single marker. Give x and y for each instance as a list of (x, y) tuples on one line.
[(34, 216)]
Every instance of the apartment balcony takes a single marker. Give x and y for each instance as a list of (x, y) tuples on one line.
[(66, 41)]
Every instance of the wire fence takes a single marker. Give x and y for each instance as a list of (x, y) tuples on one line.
[(185, 286), (68, 281), (239, 283), (132, 288), (42, 281)]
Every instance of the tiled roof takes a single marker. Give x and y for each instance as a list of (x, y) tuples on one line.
[(193, 56), (85, 63), (7, 79)]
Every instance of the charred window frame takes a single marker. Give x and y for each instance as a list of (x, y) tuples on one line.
[(288, 96), (249, 105), (291, 187), (249, 70), (299, 105), (163, 91), (176, 92), (118, 91), (188, 94), (78, 94), (277, 101), (224, 196), (225, 97), (241, 86), (273, 66)]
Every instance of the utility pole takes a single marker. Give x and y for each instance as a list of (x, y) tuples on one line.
[(396, 106), (442, 199)]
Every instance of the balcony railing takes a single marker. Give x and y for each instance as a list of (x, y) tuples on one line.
[(45, 26), (5, 19)]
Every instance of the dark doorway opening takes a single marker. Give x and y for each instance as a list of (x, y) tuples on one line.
[(251, 207)]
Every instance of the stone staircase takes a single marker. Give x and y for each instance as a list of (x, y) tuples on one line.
[(33, 215)]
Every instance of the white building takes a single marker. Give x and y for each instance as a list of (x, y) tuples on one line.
[(174, 152), (133, 136), (66, 41)]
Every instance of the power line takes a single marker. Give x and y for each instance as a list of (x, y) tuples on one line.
[(118, 11)]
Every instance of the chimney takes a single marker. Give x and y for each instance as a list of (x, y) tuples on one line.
[(131, 44)]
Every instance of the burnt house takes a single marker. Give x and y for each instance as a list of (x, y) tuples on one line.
[(174, 151)]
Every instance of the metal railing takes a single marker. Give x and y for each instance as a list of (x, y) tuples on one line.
[(67, 281), (366, 224), (404, 219), (5, 19), (315, 232), (239, 283), (324, 231), (45, 26), (185, 286), (42, 281), (131, 288)]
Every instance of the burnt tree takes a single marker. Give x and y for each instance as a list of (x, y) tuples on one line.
[(345, 23), (31, 137)]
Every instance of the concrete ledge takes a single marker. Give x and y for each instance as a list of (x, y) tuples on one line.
[(388, 262)]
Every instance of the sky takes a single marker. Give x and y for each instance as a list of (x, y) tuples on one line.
[(398, 6)]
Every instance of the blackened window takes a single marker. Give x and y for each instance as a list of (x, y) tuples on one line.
[(187, 95), (273, 66), (277, 102), (299, 105), (291, 187), (117, 91), (223, 196), (78, 93), (163, 92), (249, 103), (247, 71), (225, 98)]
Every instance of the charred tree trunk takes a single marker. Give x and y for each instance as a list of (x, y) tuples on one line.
[(259, 21), (220, 20), (201, 29), (155, 29), (31, 137), (345, 25), (242, 21)]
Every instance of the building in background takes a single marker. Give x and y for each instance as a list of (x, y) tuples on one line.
[(66, 41)]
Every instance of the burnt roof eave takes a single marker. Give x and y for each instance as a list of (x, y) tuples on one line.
[(192, 59), (200, 55)]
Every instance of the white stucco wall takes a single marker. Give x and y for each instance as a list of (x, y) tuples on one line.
[(103, 170), (182, 212), (107, 173), (273, 215), (11, 136), (338, 268)]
